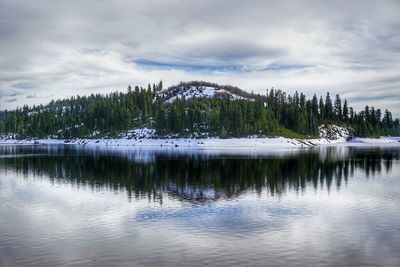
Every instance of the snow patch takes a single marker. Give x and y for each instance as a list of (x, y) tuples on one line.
[(139, 133), (381, 140), (197, 91), (333, 132)]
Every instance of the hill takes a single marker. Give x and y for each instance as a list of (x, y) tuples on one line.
[(198, 89), (194, 109)]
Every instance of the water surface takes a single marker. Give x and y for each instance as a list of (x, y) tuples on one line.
[(65, 206)]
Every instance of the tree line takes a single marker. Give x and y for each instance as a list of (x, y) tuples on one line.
[(275, 113)]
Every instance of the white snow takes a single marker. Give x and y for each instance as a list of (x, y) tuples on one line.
[(211, 143), (138, 133), (32, 113), (331, 134), (93, 134), (199, 91), (381, 140)]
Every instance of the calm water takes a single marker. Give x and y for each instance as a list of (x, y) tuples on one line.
[(72, 206)]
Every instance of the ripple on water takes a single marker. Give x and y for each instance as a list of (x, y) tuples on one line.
[(291, 219)]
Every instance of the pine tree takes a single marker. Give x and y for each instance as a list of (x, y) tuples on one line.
[(378, 116), (328, 107), (314, 106), (387, 119), (160, 86), (351, 114), (367, 113), (302, 101), (321, 108), (338, 108), (345, 111)]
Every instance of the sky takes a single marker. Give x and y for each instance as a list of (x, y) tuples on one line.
[(54, 49)]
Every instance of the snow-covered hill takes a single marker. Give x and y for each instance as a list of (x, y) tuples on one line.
[(202, 89)]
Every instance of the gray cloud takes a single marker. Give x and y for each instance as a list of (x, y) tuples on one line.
[(227, 51), (34, 96), (11, 100), (22, 85), (80, 47), (9, 93)]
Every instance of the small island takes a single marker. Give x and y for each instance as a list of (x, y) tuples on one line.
[(199, 114)]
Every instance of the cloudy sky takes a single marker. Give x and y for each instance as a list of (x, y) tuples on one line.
[(53, 49)]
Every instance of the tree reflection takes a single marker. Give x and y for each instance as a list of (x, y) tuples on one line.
[(196, 176)]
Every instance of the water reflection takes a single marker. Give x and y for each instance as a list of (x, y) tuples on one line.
[(196, 176), (62, 206)]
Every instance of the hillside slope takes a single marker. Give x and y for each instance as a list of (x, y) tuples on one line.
[(198, 89)]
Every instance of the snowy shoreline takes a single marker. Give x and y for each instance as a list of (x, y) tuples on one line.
[(330, 135), (205, 143)]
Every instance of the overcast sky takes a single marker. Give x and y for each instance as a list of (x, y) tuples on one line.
[(54, 49)]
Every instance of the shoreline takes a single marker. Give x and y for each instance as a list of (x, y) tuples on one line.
[(205, 143)]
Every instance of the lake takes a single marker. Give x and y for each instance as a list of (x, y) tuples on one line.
[(74, 206)]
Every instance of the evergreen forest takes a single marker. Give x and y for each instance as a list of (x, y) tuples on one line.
[(272, 114)]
